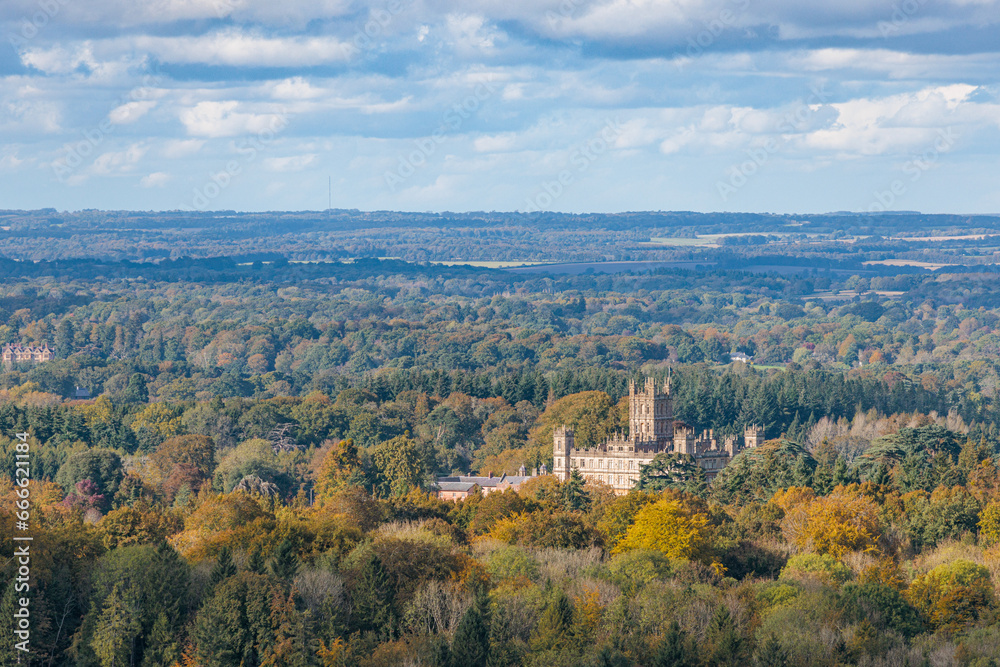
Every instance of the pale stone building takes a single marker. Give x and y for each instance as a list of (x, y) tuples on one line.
[(26, 353), (652, 430)]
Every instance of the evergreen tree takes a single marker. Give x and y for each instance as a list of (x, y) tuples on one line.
[(553, 631), (117, 629), (223, 568), (771, 654), (802, 472), (255, 563), (574, 496), (841, 474), (675, 650), (136, 391), (285, 562), (64, 338), (725, 642), (471, 645), (373, 598)]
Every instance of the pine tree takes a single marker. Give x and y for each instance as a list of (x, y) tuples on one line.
[(285, 563), (574, 496), (64, 338), (471, 645), (726, 643), (675, 650), (255, 563), (373, 598), (136, 391), (802, 473), (223, 568), (698, 484), (841, 474), (553, 631), (117, 628), (771, 654)]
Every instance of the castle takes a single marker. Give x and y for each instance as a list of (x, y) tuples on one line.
[(652, 430)]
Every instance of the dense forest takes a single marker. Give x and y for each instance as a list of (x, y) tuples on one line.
[(233, 452)]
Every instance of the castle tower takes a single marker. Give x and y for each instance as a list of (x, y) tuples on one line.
[(562, 450), (685, 440), (650, 413), (753, 436), (730, 446)]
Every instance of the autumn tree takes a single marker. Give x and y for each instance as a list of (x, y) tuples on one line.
[(670, 526)]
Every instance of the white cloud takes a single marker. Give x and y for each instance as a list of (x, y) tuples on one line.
[(296, 88), (237, 48), (130, 112), (179, 148), (117, 162), (290, 164), (155, 180), (10, 161), (222, 119)]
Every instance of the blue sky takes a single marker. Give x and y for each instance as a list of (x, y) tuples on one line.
[(568, 105)]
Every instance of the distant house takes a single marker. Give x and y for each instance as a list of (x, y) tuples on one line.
[(26, 353), (81, 393), (742, 358), (455, 490), (462, 486)]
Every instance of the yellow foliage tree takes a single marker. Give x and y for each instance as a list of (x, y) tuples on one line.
[(792, 497), (837, 524), (667, 526), (989, 523), (160, 418), (952, 595)]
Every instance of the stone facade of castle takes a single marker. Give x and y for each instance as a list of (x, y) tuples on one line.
[(652, 430)]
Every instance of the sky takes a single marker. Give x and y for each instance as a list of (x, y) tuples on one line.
[(784, 106)]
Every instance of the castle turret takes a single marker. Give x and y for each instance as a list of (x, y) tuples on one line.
[(753, 436), (562, 450), (685, 440)]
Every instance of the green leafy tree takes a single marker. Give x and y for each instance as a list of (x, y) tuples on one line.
[(397, 466)]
